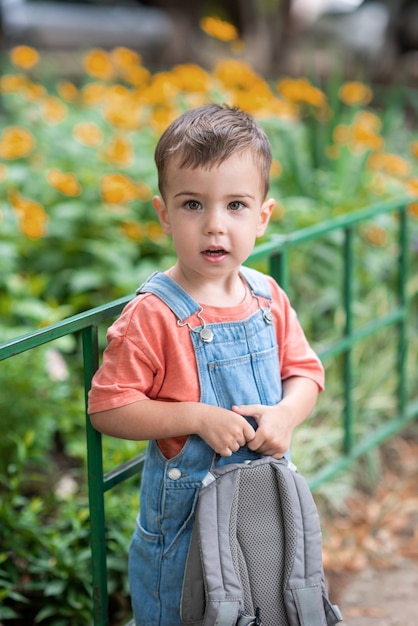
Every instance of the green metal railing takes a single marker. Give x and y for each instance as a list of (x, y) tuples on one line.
[(277, 252)]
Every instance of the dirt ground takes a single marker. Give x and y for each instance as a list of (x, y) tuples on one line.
[(382, 597), (371, 546)]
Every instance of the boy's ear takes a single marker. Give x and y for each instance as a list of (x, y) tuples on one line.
[(265, 214), (162, 213)]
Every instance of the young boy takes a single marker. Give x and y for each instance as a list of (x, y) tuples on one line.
[(209, 357)]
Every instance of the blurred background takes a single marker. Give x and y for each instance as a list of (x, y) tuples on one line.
[(379, 38)]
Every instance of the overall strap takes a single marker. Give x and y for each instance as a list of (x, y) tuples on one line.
[(257, 282), (170, 292), (183, 305)]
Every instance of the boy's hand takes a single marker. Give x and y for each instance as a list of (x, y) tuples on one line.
[(276, 423), (274, 432), (225, 431)]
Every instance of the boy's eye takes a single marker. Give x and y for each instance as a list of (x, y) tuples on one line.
[(236, 205), (193, 205)]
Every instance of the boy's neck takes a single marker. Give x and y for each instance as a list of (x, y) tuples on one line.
[(227, 291)]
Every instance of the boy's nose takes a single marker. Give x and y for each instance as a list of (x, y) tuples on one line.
[(215, 223)]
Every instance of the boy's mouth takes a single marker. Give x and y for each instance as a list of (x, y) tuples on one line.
[(214, 252)]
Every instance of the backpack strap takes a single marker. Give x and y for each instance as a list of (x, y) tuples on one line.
[(223, 602), (306, 600), (304, 591)]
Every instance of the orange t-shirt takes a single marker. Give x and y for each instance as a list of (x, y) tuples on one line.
[(149, 356)]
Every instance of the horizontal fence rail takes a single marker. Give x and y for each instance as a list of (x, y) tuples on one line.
[(277, 252)]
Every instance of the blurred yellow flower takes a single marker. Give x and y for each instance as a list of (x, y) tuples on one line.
[(93, 94), (16, 142), (119, 151), (363, 138), (132, 230), (376, 235), (117, 189), (125, 57), (390, 163), (88, 133), (369, 120), (413, 209), (34, 92), (412, 187), (117, 91), (191, 78), (144, 192), (31, 215), (341, 134), (161, 117), (218, 29), (65, 183), (414, 149), (97, 63), (282, 108), (254, 100), (154, 232), (235, 74), (123, 111), (301, 91), (25, 57), (68, 91), (364, 132), (136, 75), (161, 89), (196, 99), (54, 110), (12, 83), (246, 100), (355, 93), (361, 135)]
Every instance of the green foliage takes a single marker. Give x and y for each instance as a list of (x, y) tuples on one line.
[(45, 559), (38, 386), (77, 172)]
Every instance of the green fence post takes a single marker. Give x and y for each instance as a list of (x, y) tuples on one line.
[(348, 355), (279, 267), (403, 302), (96, 491)]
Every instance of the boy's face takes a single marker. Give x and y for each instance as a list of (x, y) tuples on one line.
[(214, 215)]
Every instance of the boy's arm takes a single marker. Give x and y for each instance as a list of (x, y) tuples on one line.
[(224, 431), (277, 423)]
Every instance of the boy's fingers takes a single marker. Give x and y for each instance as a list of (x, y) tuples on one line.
[(249, 432), (249, 410)]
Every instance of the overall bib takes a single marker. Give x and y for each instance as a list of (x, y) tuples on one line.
[(238, 364)]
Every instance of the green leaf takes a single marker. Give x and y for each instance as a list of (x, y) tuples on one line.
[(47, 611), (55, 588), (7, 613)]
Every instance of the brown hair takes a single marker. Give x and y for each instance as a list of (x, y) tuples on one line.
[(210, 134)]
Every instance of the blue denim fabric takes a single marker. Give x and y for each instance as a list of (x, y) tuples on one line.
[(240, 366)]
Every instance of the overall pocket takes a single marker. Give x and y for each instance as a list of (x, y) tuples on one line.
[(247, 379)]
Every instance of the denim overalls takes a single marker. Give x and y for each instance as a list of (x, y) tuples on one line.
[(238, 365)]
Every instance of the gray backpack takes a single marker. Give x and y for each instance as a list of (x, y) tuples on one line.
[(255, 556)]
